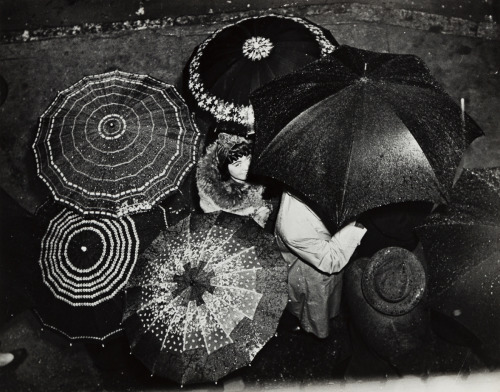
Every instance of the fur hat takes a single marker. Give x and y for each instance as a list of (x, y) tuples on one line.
[(225, 143)]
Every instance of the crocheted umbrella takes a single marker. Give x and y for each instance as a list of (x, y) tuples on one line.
[(115, 143), (205, 297), (84, 264), (462, 245), (241, 57), (360, 130)]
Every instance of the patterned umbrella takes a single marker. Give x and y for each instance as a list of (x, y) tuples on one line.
[(115, 143), (241, 57), (205, 297), (84, 265), (462, 245)]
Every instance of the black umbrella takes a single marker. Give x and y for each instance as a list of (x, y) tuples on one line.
[(205, 297), (241, 57), (462, 245), (357, 130), (482, 153), (84, 263)]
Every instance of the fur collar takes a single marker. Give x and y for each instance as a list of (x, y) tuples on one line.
[(227, 195)]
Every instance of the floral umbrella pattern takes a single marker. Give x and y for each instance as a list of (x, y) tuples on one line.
[(193, 291), (255, 48), (115, 143)]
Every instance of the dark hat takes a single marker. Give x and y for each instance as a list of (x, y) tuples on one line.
[(394, 281)]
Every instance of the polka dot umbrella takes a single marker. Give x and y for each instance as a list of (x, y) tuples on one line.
[(205, 297), (115, 144), (241, 57), (84, 264)]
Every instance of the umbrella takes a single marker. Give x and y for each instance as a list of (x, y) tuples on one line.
[(84, 263), (482, 152), (115, 143), (359, 130), (462, 245), (238, 58), (205, 297)]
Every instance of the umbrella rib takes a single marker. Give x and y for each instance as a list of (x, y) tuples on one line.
[(234, 310), (344, 189), (227, 239)]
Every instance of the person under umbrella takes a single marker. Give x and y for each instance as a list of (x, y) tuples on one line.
[(222, 183), (316, 260), (359, 130)]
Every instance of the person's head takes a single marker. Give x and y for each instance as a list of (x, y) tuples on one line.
[(233, 157)]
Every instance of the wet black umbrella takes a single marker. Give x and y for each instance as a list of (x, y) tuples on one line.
[(83, 266), (116, 143), (462, 245), (356, 130), (241, 57), (205, 297), (482, 153)]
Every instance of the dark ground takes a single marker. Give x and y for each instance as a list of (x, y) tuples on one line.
[(290, 359), (459, 56)]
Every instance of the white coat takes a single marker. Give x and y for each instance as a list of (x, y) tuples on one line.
[(315, 260)]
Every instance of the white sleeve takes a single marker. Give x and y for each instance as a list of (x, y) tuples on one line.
[(299, 232)]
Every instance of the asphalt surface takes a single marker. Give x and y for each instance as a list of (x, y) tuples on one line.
[(460, 46)]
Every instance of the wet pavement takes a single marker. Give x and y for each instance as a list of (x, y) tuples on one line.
[(460, 46), (289, 361)]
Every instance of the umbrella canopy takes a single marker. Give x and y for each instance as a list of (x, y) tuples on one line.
[(115, 143), (241, 57), (482, 152), (84, 264), (359, 130), (462, 246), (205, 297)]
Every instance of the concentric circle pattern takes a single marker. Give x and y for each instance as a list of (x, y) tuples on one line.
[(115, 143), (85, 262)]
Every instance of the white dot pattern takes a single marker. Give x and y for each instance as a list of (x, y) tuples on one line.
[(178, 321), (115, 143)]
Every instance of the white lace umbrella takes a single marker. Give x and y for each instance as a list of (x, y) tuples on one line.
[(115, 143), (205, 297)]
